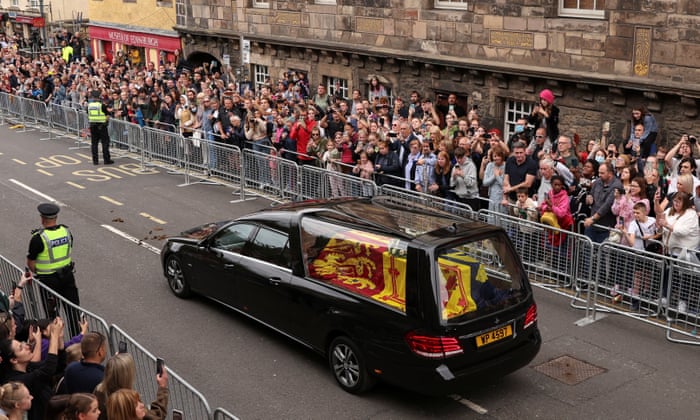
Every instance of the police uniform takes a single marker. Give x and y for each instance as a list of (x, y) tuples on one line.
[(50, 248), (97, 117)]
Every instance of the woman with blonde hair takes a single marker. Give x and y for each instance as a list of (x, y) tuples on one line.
[(120, 373), (15, 400), (125, 404)]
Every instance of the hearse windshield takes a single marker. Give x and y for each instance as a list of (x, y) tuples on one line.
[(477, 278)]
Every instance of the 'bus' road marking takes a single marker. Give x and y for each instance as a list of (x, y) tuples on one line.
[(47, 173), (133, 239), (83, 155), (73, 184), (472, 405), (153, 219), (111, 200), (40, 194), (19, 161)]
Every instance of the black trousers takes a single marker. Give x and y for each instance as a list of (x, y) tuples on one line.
[(99, 134), (63, 283)]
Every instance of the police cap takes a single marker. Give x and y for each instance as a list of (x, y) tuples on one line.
[(48, 210), (95, 94)]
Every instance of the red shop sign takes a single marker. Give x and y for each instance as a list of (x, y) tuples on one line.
[(136, 39)]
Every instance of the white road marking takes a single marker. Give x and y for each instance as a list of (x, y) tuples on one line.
[(111, 200), (153, 219), (73, 184), (133, 239), (40, 194), (21, 162), (472, 405)]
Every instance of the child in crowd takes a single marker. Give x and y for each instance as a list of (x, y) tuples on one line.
[(556, 211), (639, 234)]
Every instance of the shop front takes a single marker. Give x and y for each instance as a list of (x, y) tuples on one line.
[(138, 48)]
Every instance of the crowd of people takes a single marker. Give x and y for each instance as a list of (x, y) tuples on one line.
[(44, 377), (539, 172)]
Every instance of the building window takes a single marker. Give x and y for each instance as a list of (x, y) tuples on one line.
[(582, 8), (337, 87), (261, 4), (450, 4), (514, 111), (261, 75), (180, 12), (330, 2), (164, 3), (34, 4), (14, 3)]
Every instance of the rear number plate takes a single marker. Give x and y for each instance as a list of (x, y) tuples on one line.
[(494, 335)]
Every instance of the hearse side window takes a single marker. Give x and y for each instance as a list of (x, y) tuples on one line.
[(233, 238), (367, 264), (271, 246), (477, 277)]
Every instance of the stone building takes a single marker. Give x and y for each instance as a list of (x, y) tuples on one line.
[(141, 30), (599, 57)]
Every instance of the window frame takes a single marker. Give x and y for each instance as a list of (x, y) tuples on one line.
[(240, 245), (260, 4), (577, 12), (344, 86), (262, 251), (524, 111), (180, 12), (258, 71)]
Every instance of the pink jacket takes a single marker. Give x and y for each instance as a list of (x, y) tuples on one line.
[(560, 207)]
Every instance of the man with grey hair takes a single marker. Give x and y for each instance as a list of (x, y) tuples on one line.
[(549, 168)]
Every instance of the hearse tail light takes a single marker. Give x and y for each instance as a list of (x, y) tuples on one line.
[(531, 315), (433, 347)]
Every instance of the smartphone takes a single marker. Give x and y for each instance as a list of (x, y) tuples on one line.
[(159, 366), (82, 317), (177, 415), (122, 347)]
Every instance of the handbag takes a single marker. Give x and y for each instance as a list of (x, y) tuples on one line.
[(196, 137), (650, 246)]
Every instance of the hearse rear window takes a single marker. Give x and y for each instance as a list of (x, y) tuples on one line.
[(368, 264), (476, 278)]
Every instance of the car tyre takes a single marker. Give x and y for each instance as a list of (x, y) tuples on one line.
[(348, 366), (176, 277)]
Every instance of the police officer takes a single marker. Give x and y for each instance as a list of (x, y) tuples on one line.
[(97, 117), (49, 257)]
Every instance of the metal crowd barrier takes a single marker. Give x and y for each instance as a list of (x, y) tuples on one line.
[(563, 262), (221, 414), (64, 119), (428, 200), (183, 396)]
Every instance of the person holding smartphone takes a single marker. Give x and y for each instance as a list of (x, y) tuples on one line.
[(120, 373)]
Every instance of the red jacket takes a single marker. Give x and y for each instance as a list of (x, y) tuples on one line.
[(302, 135)]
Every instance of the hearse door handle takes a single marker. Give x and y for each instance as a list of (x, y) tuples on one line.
[(275, 281), (229, 266)]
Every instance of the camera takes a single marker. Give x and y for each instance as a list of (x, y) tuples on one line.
[(692, 139), (392, 134), (486, 136)]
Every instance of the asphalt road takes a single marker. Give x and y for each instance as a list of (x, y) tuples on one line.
[(257, 374)]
